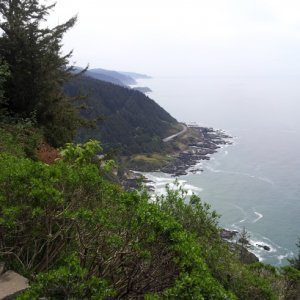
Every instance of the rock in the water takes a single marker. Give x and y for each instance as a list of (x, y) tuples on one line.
[(265, 247), (228, 234)]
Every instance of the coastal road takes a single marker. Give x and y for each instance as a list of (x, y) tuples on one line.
[(171, 137)]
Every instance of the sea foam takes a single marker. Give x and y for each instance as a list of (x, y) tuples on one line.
[(259, 216)]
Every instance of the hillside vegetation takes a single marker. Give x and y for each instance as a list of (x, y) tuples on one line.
[(75, 234), (125, 119), (66, 225)]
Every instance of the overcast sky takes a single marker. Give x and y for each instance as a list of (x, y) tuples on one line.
[(194, 37)]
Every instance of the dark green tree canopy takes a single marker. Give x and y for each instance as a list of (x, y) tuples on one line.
[(3, 77), (38, 68)]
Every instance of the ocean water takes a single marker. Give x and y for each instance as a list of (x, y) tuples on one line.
[(254, 183)]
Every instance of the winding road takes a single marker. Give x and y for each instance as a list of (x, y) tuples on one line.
[(171, 137)]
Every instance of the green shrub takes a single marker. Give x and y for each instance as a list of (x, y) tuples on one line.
[(76, 235)]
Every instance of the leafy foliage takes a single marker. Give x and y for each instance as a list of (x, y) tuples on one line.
[(81, 154), (69, 281), (76, 235), (291, 283), (223, 263), (119, 237)]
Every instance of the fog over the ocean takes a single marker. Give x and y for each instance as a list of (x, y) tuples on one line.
[(193, 37)]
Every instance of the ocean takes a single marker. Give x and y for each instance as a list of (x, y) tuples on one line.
[(255, 182)]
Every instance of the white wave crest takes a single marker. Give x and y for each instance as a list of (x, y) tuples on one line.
[(264, 179), (259, 216)]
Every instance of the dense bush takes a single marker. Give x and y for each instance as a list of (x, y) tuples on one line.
[(51, 213), (76, 235)]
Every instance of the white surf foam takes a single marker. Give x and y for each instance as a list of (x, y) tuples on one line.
[(266, 179), (259, 216), (193, 188), (210, 168), (159, 184), (256, 242), (282, 257)]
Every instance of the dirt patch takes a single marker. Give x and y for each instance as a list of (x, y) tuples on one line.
[(47, 154)]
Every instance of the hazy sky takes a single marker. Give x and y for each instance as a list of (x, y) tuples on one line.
[(196, 37)]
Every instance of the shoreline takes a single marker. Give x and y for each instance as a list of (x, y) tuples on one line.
[(209, 142), (200, 143), (187, 162)]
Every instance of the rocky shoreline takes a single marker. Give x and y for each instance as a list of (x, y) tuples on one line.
[(233, 236), (210, 141)]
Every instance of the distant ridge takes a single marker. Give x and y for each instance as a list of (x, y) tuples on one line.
[(125, 79), (100, 76), (115, 77)]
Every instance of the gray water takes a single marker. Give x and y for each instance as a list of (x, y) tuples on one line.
[(255, 182)]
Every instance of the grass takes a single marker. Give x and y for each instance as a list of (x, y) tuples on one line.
[(148, 162), (152, 157), (155, 161)]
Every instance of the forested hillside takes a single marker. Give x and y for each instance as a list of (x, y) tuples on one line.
[(126, 119)]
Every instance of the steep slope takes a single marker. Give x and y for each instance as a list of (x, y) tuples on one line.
[(126, 119)]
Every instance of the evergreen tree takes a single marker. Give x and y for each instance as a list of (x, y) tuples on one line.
[(295, 262), (3, 77), (38, 68), (243, 242)]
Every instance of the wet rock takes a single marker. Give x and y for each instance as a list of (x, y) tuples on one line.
[(228, 234), (265, 247)]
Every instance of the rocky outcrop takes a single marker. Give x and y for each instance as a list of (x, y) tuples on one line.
[(265, 247), (11, 284), (228, 234), (210, 142), (244, 254)]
